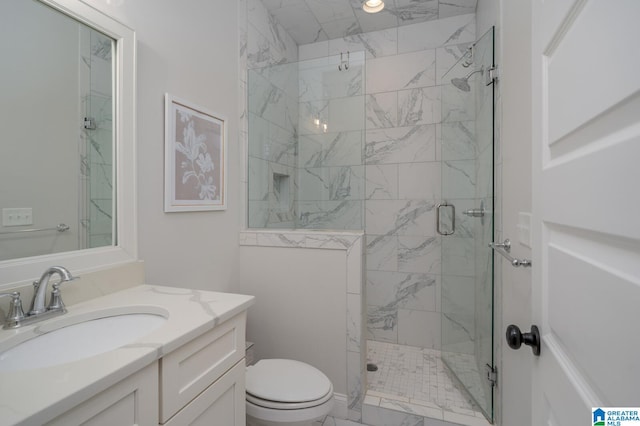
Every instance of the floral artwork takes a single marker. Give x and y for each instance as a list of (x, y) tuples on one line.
[(194, 158), (195, 164)]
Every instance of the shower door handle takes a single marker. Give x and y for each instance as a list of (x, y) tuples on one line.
[(453, 218)]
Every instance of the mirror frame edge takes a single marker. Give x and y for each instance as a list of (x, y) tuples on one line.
[(15, 272)]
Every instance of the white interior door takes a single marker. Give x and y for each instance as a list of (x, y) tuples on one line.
[(586, 185)]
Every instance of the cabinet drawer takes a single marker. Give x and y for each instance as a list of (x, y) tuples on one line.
[(222, 403), (190, 369)]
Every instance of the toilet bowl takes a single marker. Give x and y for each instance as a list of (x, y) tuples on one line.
[(284, 392)]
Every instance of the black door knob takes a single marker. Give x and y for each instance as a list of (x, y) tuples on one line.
[(515, 338)]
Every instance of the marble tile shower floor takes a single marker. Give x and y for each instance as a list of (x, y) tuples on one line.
[(416, 381)]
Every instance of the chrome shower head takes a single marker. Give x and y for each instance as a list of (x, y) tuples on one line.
[(463, 83)]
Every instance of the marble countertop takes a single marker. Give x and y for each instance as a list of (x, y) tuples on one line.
[(39, 395)]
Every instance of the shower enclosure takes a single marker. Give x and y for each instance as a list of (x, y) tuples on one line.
[(314, 130), (306, 142), (466, 221)]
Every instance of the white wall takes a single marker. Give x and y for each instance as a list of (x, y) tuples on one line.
[(300, 311), (515, 23), (487, 13), (513, 192), (188, 49)]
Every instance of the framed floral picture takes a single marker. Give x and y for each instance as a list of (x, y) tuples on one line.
[(195, 169)]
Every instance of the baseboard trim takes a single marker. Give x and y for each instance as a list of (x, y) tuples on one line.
[(340, 406)]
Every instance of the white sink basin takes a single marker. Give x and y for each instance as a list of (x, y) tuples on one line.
[(77, 341)]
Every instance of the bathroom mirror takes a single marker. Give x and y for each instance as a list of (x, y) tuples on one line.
[(67, 176), (56, 121)]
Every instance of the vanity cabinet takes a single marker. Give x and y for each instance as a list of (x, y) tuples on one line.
[(132, 401), (200, 383)]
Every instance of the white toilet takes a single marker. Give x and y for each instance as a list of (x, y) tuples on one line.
[(283, 392)]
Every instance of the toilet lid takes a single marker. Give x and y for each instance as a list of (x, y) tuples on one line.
[(285, 380)]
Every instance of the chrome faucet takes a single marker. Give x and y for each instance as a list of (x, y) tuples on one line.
[(40, 287), (16, 317)]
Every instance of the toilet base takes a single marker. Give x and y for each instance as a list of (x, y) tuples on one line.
[(257, 422), (302, 417)]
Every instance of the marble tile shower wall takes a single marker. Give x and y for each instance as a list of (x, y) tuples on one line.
[(331, 127), (273, 110), (270, 55), (403, 166), (96, 158)]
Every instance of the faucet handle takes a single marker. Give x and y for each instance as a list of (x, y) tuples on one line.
[(15, 314), (56, 303)]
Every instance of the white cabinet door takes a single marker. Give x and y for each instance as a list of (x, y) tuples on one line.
[(222, 403), (586, 177), (131, 402)]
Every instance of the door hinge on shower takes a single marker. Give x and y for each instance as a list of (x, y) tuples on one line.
[(492, 375), (89, 123), (492, 75)]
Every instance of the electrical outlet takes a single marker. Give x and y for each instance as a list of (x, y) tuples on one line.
[(17, 217)]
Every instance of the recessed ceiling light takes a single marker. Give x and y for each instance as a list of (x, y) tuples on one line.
[(373, 6)]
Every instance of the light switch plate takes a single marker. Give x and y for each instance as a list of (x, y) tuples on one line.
[(17, 216), (524, 229)]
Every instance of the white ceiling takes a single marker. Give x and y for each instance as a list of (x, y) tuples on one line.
[(308, 21)]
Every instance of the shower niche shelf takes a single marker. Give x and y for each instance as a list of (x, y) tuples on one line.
[(281, 191)]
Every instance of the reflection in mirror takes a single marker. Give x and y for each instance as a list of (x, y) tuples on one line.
[(57, 129)]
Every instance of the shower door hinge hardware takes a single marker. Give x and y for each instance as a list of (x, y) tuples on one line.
[(492, 75), (89, 123), (476, 212), (492, 375)]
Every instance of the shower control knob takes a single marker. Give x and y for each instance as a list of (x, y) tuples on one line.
[(515, 338)]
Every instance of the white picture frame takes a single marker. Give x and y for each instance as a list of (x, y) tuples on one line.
[(195, 171)]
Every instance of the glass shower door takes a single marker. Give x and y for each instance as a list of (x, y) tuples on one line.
[(466, 221)]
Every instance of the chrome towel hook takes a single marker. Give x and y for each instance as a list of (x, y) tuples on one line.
[(344, 64)]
